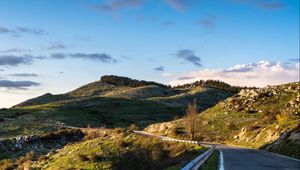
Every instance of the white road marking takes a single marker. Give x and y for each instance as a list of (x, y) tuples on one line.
[(221, 164)]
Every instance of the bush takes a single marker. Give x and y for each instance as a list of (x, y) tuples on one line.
[(83, 157), (178, 148), (42, 157), (132, 160), (282, 118), (91, 135), (7, 165), (94, 157), (268, 117), (122, 143), (231, 126), (28, 157), (133, 127), (252, 127), (176, 132), (119, 130)]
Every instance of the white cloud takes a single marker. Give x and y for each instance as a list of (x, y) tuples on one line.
[(258, 74)]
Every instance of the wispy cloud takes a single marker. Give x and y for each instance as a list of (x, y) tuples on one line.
[(262, 4), (24, 75), (105, 58), (159, 68), (115, 5), (18, 31), (254, 74), (15, 50), (295, 60), (209, 22), (35, 31), (4, 30), (20, 85), (189, 56), (179, 5), (56, 46), (11, 60), (168, 23)]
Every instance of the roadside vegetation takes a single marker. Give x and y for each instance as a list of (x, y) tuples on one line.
[(116, 149), (264, 118), (212, 163)]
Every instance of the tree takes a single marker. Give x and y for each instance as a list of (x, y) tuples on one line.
[(189, 119)]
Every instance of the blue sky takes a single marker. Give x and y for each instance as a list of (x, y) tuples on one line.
[(169, 41)]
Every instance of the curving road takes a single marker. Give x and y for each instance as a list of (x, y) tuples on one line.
[(235, 158)]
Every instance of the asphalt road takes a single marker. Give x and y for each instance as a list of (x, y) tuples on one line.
[(234, 158)]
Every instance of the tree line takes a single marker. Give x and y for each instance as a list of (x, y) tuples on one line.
[(212, 84), (125, 81)]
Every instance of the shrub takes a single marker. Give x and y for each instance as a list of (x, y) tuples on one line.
[(28, 157), (42, 157), (157, 153), (132, 160), (231, 126), (282, 118), (252, 127), (94, 157), (83, 157), (133, 127), (119, 130), (7, 165), (176, 131), (178, 148), (268, 117), (91, 135), (122, 143)]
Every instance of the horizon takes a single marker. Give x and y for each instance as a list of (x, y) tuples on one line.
[(56, 46)]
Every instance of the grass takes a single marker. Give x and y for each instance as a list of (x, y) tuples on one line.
[(118, 149), (223, 123), (87, 106), (18, 127), (212, 162)]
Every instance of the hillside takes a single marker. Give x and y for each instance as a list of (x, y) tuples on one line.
[(111, 101), (102, 149), (266, 118)]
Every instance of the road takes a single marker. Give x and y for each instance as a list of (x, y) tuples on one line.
[(234, 158)]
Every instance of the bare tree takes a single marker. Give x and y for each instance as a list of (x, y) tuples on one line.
[(189, 119)]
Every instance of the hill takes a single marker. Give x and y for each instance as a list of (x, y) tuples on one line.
[(266, 118), (112, 101)]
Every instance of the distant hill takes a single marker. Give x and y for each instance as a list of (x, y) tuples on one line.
[(115, 101), (266, 118)]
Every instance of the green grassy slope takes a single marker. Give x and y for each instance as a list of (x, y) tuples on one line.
[(111, 150), (266, 118), (111, 104)]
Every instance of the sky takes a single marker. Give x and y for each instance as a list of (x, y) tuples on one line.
[(55, 46)]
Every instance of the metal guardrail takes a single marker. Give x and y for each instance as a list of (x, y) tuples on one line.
[(200, 160), (164, 138)]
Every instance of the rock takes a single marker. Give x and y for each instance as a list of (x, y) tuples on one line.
[(205, 123), (253, 93), (242, 92), (294, 136), (293, 102)]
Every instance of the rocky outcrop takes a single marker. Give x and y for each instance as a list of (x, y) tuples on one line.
[(38, 143), (161, 128)]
